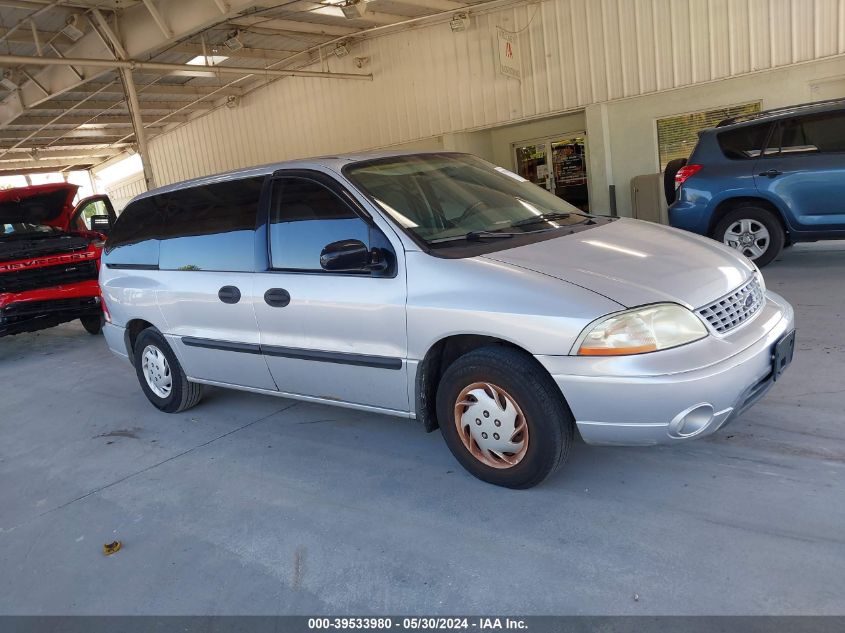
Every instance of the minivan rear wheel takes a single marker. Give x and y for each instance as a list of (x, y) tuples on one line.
[(503, 417), (161, 376), (753, 231)]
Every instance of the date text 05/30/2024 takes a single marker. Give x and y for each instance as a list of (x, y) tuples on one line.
[(417, 623)]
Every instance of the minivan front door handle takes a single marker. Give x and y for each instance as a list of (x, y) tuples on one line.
[(277, 297), (771, 173), (229, 294)]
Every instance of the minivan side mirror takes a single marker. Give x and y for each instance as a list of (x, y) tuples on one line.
[(346, 256)]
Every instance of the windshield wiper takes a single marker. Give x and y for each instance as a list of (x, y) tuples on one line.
[(476, 236), (543, 217)]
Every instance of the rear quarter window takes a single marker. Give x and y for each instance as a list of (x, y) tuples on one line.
[(207, 227), (211, 227), (743, 143)]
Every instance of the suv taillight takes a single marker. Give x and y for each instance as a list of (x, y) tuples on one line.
[(684, 173)]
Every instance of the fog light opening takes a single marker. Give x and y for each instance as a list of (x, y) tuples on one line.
[(692, 421)]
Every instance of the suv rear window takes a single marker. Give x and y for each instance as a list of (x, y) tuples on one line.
[(745, 142)]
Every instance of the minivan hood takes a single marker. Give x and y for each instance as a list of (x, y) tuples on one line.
[(635, 263), (50, 204)]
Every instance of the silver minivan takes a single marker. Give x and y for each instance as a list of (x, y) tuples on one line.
[(439, 287)]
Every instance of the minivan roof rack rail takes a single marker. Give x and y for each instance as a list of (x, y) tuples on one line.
[(743, 118)]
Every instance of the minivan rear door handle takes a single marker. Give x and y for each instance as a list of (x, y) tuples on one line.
[(277, 297), (229, 294), (771, 173)]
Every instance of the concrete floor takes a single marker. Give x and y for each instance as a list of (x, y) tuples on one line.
[(256, 505)]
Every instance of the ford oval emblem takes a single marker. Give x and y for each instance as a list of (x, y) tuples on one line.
[(749, 301)]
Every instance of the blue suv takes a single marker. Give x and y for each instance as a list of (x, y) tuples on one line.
[(762, 181)]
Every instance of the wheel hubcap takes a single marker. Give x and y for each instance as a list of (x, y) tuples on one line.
[(749, 237), (491, 425), (156, 371)]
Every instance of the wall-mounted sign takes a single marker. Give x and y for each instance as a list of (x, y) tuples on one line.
[(509, 55)]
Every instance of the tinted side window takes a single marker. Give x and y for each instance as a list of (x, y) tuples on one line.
[(743, 143), (210, 227), (814, 134), (305, 217), (134, 238)]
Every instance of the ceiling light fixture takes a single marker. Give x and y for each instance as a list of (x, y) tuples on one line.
[(70, 30), (232, 42), (6, 80), (459, 22), (354, 10), (341, 50)]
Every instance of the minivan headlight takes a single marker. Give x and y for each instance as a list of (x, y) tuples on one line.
[(641, 330)]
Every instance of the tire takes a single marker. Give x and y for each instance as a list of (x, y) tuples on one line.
[(752, 222), (93, 324), (672, 168), (182, 394), (542, 439)]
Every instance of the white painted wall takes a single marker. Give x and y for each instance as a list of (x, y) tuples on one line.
[(435, 88)]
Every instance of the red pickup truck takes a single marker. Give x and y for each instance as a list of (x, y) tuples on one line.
[(50, 257)]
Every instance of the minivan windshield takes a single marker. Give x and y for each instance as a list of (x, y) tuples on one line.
[(446, 199)]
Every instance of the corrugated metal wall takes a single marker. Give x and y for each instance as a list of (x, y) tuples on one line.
[(123, 191), (431, 81)]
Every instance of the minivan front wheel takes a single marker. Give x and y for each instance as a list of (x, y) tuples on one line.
[(503, 417), (754, 232), (161, 376)]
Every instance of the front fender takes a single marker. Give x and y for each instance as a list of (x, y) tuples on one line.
[(478, 296)]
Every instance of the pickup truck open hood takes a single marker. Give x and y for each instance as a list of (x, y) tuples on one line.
[(50, 204), (635, 263)]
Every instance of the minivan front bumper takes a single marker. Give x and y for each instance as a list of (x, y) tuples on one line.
[(654, 399)]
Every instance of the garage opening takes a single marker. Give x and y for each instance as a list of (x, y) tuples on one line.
[(557, 163)]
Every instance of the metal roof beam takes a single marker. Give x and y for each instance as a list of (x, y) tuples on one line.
[(20, 154), (22, 37), (115, 107), (187, 90), (158, 18), (434, 5), (74, 145), (118, 120), (294, 26), (269, 54), (41, 165), (131, 64), (14, 135)]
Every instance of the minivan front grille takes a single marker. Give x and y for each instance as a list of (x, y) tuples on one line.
[(734, 309), (47, 276)]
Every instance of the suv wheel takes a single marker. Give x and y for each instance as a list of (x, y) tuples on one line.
[(503, 418), (93, 324), (753, 231), (161, 376)]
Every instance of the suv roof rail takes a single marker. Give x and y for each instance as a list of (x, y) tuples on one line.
[(743, 118)]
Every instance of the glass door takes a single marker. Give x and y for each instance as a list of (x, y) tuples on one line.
[(558, 164), (532, 163), (569, 171)]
